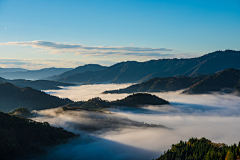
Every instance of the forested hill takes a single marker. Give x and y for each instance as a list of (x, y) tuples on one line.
[(201, 149), (132, 71), (12, 97), (134, 100), (21, 137), (229, 78), (160, 84)]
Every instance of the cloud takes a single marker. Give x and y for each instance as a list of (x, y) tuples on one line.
[(214, 116), (5, 28), (78, 49)]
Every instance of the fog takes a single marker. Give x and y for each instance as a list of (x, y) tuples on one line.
[(127, 133)]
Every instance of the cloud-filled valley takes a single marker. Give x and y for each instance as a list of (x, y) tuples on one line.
[(214, 116)]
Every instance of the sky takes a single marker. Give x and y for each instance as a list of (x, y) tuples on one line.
[(59, 33)]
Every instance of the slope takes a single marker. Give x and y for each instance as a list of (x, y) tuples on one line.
[(12, 97), (132, 71), (229, 78), (79, 69)]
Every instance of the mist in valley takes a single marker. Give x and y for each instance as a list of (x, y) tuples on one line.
[(135, 133)]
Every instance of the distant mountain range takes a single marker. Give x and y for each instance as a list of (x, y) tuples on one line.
[(4, 70), (132, 71), (227, 79), (12, 97), (38, 84), (33, 74)]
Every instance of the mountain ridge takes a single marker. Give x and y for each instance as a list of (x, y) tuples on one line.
[(133, 71), (229, 78)]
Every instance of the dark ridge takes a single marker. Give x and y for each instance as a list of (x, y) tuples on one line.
[(132, 71), (227, 81), (12, 97), (97, 104), (160, 85), (23, 138), (140, 99), (229, 78)]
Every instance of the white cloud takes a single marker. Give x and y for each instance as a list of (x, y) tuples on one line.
[(5, 28), (79, 49)]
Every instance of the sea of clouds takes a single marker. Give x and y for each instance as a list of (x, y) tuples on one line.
[(123, 135)]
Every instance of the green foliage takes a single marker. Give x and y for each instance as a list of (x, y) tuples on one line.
[(201, 149), (21, 136)]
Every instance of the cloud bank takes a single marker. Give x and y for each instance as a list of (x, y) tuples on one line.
[(78, 49), (215, 117)]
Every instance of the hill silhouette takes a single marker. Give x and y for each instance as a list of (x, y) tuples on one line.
[(160, 85), (229, 78), (97, 104), (79, 69), (12, 97), (132, 71), (21, 137)]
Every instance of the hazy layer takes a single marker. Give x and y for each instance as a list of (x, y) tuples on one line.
[(215, 117)]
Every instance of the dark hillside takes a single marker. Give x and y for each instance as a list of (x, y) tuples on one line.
[(229, 78), (12, 97), (160, 85), (21, 137)]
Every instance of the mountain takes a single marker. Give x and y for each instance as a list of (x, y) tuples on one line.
[(12, 97), (38, 84), (160, 85), (80, 69), (229, 78), (97, 104), (4, 70), (23, 138), (34, 74), (132, 71), (202, 149)]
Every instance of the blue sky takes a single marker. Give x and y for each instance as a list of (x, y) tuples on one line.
[(59, 33)]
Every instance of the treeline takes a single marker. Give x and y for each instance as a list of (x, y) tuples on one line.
[(201, 149), (20, 137), (229, 78), (134, 100)]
